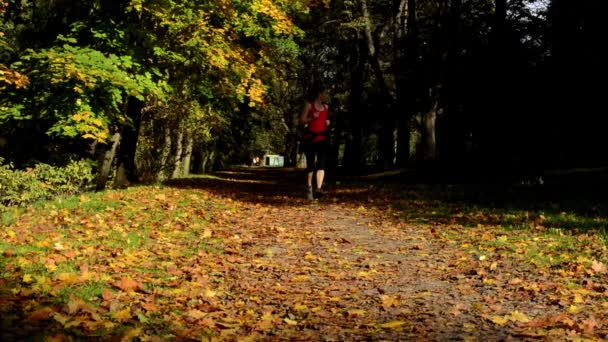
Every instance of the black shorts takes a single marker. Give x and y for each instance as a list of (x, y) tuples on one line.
[(318, 149)]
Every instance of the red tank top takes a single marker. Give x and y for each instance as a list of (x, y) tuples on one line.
[(318, 123)]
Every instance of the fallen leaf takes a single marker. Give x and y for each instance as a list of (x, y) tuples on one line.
[(517, 316), (196, 314), (392, 324), (356, 312), (41, 314), (127, 284), (27, 278), (500, 320), (290, 321), (598, 267), (300, 307), (389, 301)]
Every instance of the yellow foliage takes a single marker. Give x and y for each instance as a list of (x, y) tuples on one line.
[(282, 23)]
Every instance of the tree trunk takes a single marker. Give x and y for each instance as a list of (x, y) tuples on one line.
[(164, 156), (186, 161), (178, 155), (106, 165), (126, 169), (353, 152), (207, 159), (429, 127), (387, 138), (406, 60)]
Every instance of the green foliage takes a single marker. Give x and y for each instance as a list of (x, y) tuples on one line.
[(78, 92), (19, 187)]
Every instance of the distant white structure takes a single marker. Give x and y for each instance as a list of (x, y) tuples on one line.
[(273, 160)]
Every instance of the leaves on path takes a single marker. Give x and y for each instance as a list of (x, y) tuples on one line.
[(222, 260)]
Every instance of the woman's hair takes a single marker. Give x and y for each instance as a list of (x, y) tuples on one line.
[(315, 90)]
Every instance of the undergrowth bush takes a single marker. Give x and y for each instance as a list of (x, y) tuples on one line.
[(21, 187)]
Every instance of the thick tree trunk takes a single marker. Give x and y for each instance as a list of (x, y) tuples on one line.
[(353, 152), (126, 169), (406, 59), (106, 164)]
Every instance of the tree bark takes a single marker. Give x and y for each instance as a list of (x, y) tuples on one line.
[(164, 156), (387, 138), (106, 164), (353, 152), (126, 169), (178, 155), (406, 59), (186, 161), (429, 124)]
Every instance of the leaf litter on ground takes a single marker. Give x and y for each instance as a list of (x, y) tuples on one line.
[(219, 259)]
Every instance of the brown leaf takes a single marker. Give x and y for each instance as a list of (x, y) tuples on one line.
[(127, 284), (150, 307), (589, 325), (41, 315), (107, 295)]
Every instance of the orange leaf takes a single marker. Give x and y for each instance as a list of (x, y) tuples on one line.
[(107, 295), (127, 284)]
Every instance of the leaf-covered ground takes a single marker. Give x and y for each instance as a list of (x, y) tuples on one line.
[(243, 255)]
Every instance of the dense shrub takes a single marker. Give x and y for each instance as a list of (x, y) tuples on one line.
[(20, 187)]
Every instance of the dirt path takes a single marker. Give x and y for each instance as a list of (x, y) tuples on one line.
[(348, 268), (334, 271)]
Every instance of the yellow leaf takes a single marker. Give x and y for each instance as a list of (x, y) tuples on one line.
[(210, 293), (517, 316), (493, 266), (392, 324), (207, 233), (290, 322), (67, 278), (500, 320), (123, 314), (300, 278), (27, 278), (573, 309), (300, 307), (578, 298), (389, 301), (363, 274), (423, 294), (356, 312), (11, 233)]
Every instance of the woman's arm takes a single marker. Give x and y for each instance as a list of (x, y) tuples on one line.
[(304, 118)]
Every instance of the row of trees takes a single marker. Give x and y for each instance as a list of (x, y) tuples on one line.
[(147, 88), (492, 83), (157, 89)]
